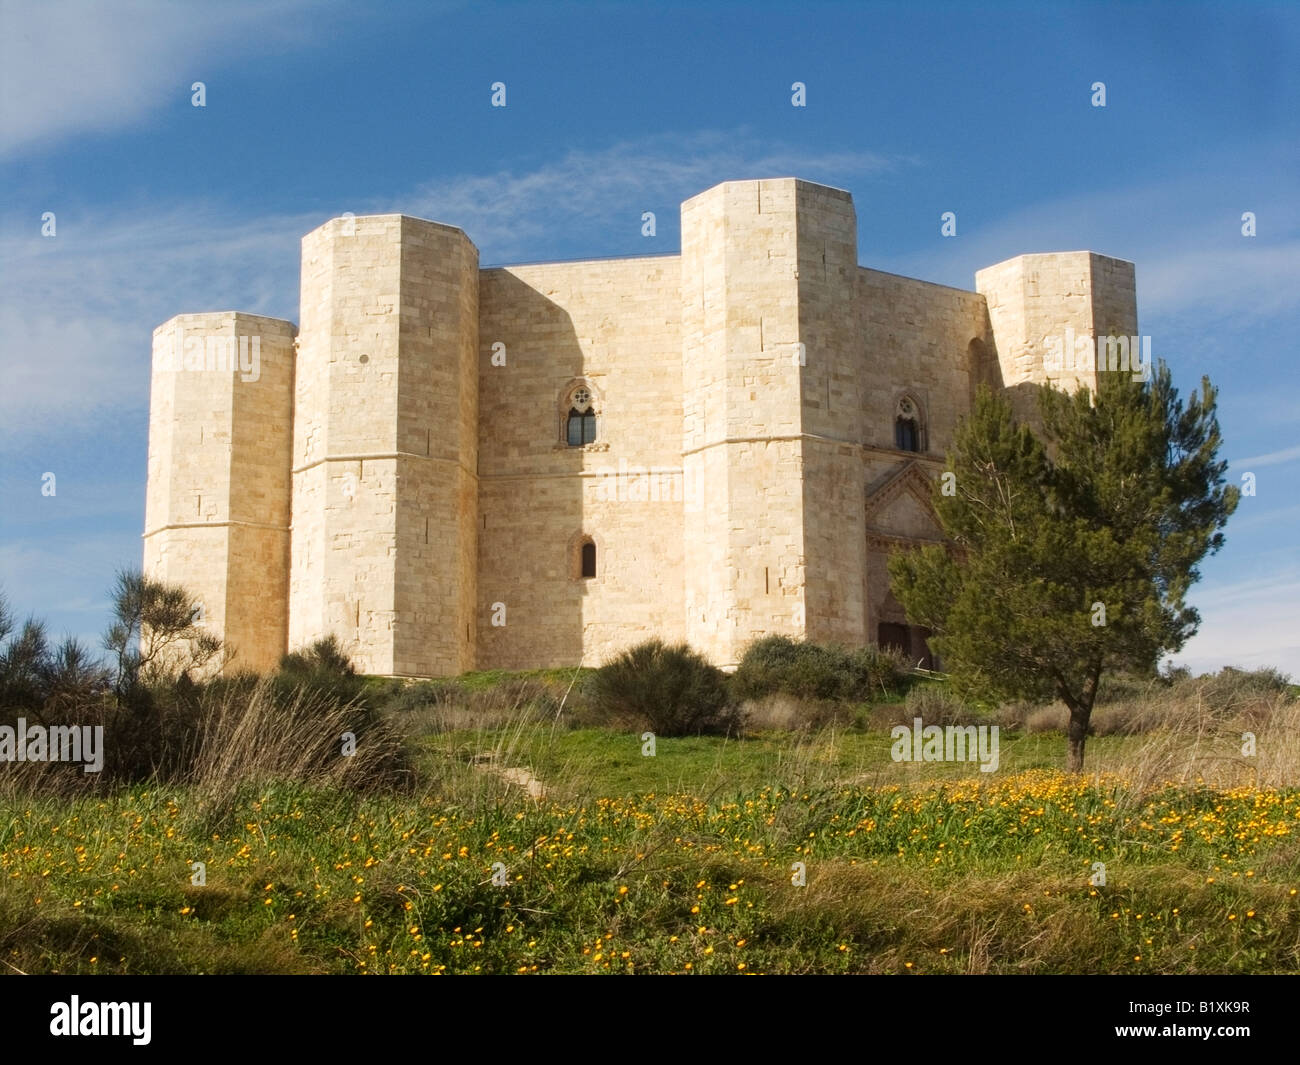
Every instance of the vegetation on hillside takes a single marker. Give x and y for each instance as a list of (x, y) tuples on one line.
[(516, 823)]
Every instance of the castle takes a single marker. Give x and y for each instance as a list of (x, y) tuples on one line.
[(455, 468)]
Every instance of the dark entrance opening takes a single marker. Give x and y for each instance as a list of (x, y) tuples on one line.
[(910, 639)]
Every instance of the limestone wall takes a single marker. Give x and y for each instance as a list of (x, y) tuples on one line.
[(217, 502), (921, 341), (741, 386), (834, 378), (384, 445), (614, 328), (1063, 295)]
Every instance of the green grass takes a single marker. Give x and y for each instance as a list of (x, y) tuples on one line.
[(603, 762), (677, 863)]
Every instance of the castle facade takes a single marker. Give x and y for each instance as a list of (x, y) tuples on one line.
[(454, 468)]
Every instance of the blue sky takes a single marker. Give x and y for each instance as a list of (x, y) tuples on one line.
[(612, 110)]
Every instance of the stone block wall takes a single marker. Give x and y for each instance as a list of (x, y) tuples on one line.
[(741, 384), (1035, 298), (217, 502), (385, 440), (612, 328)]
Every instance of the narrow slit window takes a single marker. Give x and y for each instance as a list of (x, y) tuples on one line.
[(589, 559)]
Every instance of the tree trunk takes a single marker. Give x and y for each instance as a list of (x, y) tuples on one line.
[(1076, 737), (1080, 714)]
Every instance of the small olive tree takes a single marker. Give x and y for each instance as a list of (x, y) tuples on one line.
[(156, 635)]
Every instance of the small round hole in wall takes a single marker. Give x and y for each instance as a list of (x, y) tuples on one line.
[(365, 358)]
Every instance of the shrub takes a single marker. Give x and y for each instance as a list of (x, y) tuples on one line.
[(1052, 718), (421, 695), (775, 664), (157, 635), (672, 690), (322, 668), (1122, 687), (880, 670), (1231, 686), (1011, 715)]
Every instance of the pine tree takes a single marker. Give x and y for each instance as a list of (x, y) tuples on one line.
[(1071, 550)]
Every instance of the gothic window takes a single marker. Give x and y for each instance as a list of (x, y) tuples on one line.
[(580, 422), (589, 559), (907, 426)]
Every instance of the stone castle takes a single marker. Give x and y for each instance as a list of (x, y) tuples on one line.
[(453, 468)]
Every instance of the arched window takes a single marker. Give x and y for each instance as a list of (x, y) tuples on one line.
[(907, 426), (589, 559), (580, 422)]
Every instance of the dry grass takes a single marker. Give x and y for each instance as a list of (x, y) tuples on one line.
[(258, 739), (1196, 731), (781, 712)]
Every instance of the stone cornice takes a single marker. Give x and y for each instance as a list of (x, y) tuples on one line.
[(369, 456), (212, 525)]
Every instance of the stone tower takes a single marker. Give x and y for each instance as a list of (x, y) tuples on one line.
[(768, 269), (1035, 301), (217, 505), (385, 445)]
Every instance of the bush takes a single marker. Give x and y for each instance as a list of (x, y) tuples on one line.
[(420, 695), (1231, 685), (673, 691), (323, 668), (1125, 687), (775, 664)]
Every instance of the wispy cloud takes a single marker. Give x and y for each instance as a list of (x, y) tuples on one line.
[(1251, 622), (1273, 458), (77, 311), (69, 68), (1185, 241), (516, 213), (1250, 613)]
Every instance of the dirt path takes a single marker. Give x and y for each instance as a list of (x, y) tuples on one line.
[(517, 775)]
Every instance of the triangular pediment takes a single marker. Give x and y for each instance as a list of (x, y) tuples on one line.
[(899, 505)]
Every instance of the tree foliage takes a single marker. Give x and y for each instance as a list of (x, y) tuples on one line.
[(44, 680), (156, 633), (1072, 549)]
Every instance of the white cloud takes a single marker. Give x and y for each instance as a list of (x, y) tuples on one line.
[(78, 310), (69, 68), (1190, 258), (1271, 459), (1249, 623), (515, 214)]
